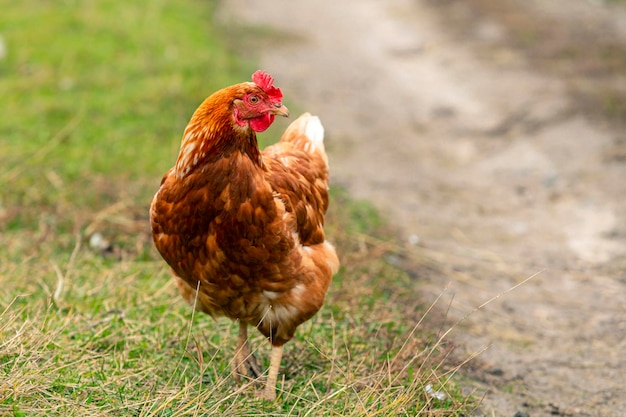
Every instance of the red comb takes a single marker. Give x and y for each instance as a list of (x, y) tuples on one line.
[(266, 82)]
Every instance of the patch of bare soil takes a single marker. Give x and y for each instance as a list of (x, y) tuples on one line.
[(498, 156)]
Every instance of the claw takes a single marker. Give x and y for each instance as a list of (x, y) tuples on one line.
[(266, 394), (244, 362), (245, 365)]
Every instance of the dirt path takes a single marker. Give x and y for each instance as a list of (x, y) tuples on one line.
[(485, 164)]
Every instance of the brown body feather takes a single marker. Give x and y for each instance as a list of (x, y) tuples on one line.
[(243, 230)]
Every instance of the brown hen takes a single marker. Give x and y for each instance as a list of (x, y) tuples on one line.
[(242, 229)]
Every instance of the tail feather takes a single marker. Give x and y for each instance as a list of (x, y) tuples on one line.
[(306, 131), (314, 130)]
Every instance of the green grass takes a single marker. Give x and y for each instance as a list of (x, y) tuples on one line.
[(95, 96), (100, 90)]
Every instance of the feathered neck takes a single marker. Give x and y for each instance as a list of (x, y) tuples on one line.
[(212, 134)]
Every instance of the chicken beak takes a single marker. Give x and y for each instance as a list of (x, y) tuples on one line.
[(280, 110)]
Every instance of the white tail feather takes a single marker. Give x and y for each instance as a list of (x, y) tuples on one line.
[(307, 133), (314, 131)]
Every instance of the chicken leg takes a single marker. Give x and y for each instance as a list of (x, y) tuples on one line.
[(269, 392), (244, 362)]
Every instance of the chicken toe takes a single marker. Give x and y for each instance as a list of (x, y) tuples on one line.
[(244, 362)]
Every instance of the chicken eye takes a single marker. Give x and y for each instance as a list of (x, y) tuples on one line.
[(253, 99)]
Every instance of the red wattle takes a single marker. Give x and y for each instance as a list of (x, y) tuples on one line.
[(261, 123)]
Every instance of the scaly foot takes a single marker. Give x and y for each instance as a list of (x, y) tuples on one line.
[(244, 362)]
